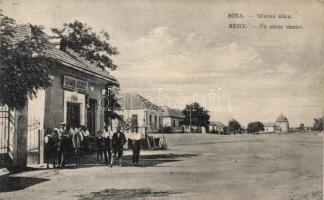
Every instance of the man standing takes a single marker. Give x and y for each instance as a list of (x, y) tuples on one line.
[(85, 144), (76, 142), (63, 144), (99, 146), (118, 142), (136, 146), (49, 147), (107, 138)]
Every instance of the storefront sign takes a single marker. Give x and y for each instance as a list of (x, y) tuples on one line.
[(74, 98), (75, 84)]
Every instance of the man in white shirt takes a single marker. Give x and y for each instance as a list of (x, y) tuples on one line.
[(136, 146), (107, 135)]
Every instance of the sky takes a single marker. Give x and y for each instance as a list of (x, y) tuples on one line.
[(177, 52)]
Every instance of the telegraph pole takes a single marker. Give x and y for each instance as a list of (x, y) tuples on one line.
[(190, 119), (323, 122)]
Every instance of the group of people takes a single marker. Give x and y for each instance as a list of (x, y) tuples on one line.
[(73, 141), (66, 141)]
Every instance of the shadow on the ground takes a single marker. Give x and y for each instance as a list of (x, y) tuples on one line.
[(153, 160), (114, 194), (10, 184), (145, 161)]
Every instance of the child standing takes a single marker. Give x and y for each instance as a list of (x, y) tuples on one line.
[(100, 144)]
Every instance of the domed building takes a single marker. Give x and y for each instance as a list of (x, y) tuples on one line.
[(282, 124)]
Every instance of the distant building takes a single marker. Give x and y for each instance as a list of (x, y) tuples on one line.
[(269, 127), (282, 124), (173, 118), (144, 116), (216, 127)]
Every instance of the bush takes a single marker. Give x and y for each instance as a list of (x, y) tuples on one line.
[(167, 129)]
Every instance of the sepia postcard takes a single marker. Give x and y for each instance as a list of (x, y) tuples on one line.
[(161, 99)]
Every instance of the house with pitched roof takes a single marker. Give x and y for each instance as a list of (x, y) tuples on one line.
[(269, 127), (216, 127), (142, 115), (173, 118), (73, 98), (280, 125)]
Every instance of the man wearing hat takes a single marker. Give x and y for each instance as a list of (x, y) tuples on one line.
[(62, 127), (62, 144), (118, 142)]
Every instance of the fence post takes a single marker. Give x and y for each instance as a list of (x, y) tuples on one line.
[(8, 138), (40, 146)]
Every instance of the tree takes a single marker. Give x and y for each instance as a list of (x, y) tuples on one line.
[(225, 130), (302, 126), (318, 124), (24, 66), (111, 104), (196, 114), (234, 126), (92, 46), (255, 127)]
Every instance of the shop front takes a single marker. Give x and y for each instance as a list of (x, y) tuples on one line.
[(72, 98)]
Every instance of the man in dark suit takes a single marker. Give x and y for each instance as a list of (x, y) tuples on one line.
[(63, 142), (117, 143)]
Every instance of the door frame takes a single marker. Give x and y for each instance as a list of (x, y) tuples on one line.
[(79, 107), (75, 97)]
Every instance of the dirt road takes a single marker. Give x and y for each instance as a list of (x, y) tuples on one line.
[(195, 167)]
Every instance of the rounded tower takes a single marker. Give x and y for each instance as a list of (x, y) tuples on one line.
[(282, 123)]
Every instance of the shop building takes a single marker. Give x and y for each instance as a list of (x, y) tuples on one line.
[(75, 96)]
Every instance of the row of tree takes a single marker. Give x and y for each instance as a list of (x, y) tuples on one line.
[(197, 115), (318, 124)]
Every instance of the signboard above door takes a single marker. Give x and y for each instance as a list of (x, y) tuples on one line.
[(75, 84)]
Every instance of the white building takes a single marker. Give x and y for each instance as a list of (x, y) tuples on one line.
[(282, 124), (216, 127), (269, 127), (143, 115), (173, 118)]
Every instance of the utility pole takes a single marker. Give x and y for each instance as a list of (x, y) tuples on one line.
[(164, 144), (190, 119), (323, 122)]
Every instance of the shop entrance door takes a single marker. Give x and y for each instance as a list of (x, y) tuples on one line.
[(73, 114)]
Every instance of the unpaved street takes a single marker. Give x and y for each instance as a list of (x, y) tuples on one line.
[(195, 167)]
